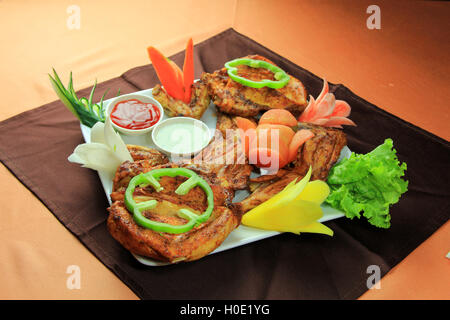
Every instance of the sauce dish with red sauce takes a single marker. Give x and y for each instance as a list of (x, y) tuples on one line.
[(134, 114)]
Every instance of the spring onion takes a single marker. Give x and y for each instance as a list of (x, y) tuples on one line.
[(84, 109)]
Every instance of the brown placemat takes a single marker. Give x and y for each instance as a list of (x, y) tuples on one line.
[(287, 266)]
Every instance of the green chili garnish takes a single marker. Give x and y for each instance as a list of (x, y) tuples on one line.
[(282, 78), (151, 178)]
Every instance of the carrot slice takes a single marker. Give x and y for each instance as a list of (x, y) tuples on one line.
[(269, 152), (248, 140), (166, 73), (247, 132), (299, 138), (179, 73), (188, 71), (278, 116), (266, 157), (285, 133), (245, 124)]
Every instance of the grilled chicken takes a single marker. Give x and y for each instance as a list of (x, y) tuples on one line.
[(144, 159), (173, 248), (225, 146), (144, 153), (224, 156), (320, 152), (176, 108), (233, 98), (225, 122), (223, 178), (187, 246), (228, 122)]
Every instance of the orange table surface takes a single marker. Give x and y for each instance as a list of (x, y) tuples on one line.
[(402, 68)]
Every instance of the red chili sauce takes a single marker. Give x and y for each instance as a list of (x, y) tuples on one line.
[(134, 114)]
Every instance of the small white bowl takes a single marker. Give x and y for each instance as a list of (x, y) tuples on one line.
[(188, 136), (140, 97)]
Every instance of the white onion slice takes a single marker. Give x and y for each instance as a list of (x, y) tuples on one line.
[(115, 143), (96, 156), (105, 152), (98, 133)]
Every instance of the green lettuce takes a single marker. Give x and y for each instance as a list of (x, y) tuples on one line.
[(368, 184)]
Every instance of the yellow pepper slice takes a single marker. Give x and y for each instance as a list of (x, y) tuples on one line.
[(289, 193), (286, 218), (316, 191), (295, 209), (315, 227)]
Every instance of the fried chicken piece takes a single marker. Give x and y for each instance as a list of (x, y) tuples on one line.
[(228, 122), (141, 153), (225, 122), (266, 190), (187, 246), (176, 108), (320, 152), (224, 157), (219, 180), (144, 158), (173, 248), (233, 98), (223, 178)]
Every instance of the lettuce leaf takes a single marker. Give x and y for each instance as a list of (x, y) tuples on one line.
[(368, 184)]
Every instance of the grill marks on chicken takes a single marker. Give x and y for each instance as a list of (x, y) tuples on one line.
[(265, 190), (141, 153), (223, 178), (236, 99), (225, 147), (173, 248), (187, 246), (224, 157), (144, 160), (320, 152), (176, 108)]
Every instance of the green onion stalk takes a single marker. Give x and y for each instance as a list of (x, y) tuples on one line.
[(84, 109)]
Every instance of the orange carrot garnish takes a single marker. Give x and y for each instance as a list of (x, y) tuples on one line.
[(299, 138), (188, 71), (166, 73)]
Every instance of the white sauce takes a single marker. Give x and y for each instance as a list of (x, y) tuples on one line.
[(182, 137)]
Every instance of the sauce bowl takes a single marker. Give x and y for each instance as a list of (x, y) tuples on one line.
[(142, 98), (181, 136)]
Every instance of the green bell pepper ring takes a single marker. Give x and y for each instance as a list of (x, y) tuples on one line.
[(151, 178), (282, 78)]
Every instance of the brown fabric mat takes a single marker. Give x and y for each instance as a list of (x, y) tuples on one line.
[(287, 266)]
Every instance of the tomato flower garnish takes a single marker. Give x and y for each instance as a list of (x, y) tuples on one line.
[(326, 110)]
